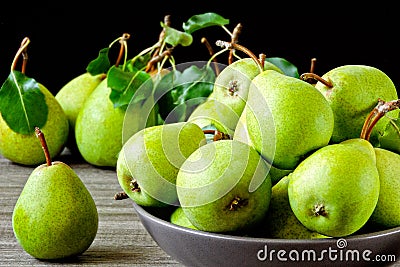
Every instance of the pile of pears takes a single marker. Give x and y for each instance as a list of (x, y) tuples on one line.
[(270, 154)]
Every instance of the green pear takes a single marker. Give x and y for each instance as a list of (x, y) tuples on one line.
[(179, 217), (227, 100), (286, 118), (214, 113), (150, 159), (390, 139), (225, 104), (281, 221), (277, 174), (241, 134), (72, 96), (335, 190), (98, 128), (386, 213), (130, 185), (354, 93), (232, 84), (224, 186), (24, 148), (55, 215)]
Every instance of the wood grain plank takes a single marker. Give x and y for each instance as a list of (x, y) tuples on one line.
[(121, 239)]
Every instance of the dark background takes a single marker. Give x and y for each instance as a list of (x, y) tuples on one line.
[(65, 38)]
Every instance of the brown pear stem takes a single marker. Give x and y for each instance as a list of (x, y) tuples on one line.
[(211, 52), (312, 67), (312, 70), (371, 125), (217, 135), (121, 196), (161, 36), (234, 39), (308, 75), (208, 46), (261, 58), (158, 58), (40, 135), (22, 50), (229, 45), (209, 131), (122, 41), (367, 122), (376, 114)]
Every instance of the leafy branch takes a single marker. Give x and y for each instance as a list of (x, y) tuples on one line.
[(125, 80)]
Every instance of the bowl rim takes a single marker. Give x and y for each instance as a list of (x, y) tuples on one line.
[(142, 212)]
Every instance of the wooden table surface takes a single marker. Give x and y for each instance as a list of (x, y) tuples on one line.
[(121, 239)]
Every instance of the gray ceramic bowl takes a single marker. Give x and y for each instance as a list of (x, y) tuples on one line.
[(199, 248)]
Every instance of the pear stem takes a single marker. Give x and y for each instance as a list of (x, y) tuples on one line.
[(312, 70), (261, 58), (367, 121), (121, 196), (122, 41), (217, 135), (229, 45), (22, 50), (211, 52), (376, 114), (312, 67), (234, 39), (156, 56), (40, 135), (309, 75)]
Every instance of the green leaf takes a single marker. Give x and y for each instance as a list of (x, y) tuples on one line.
[(139, 63), (162, 92), (193, 83), (101, 64), (124, 85), (390, 139), (180, 92), (201, 21), (288, 68), (22, 104), (175, 37)]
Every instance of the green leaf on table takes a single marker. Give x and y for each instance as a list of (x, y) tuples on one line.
[(201, 21), (22, 104), (180, 92), (390, 139), (287, 67), (101, 64), (124, 85), (175, 37)]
